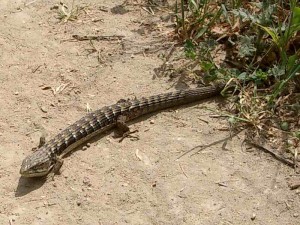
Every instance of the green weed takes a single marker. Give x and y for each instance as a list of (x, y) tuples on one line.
[(66, 14), (260, 43)]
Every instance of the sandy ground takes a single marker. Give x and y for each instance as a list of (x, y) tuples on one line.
[(48, 80)]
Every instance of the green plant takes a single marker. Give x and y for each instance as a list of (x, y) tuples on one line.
[(196, 17), (66, 14), (282, 36), (254, 44)]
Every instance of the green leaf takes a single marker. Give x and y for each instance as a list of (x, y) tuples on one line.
[(277, 71), (190, 49), (297, 134), (193, 3), (206, 66), (243, 76), (272, 32), (231, 120), (259, 76), (296, 16), (246, 46), (245, 15), (291, 61), (201, 32), (295, 22), (285, 126)]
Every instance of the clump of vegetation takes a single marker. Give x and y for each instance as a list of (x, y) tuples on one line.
[(66, 14), (255, 46)]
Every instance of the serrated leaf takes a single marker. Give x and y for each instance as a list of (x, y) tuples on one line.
[(246, 46)]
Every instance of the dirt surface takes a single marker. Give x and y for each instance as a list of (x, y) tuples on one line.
[(48, 80)]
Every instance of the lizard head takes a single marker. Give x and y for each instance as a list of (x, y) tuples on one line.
[(37, 164)]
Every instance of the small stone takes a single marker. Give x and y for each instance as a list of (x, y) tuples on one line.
[(78, 203), (154, 184), (165, 18), (124, 184), (43, 109), (54, 7), (253, 216), (87, 181), (84, 148), (151, 121), (296, 214), (16, 93), (88, 144)]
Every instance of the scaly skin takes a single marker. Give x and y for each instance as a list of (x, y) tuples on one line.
[(46, 159)]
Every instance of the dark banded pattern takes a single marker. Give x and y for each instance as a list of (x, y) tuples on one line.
[(42, 161)]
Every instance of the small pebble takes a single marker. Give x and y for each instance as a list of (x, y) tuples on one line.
[(54, 7), (84, 148), (88, 145), (165, 18), (78, 203), (151, 121), (296, 214), (253, 216), (43, 109), (154, 184), (87, 181), (124, 184)]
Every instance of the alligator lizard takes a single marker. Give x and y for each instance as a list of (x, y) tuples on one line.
[(47, 158)]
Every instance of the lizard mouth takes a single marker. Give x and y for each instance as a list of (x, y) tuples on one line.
[(35, 172)]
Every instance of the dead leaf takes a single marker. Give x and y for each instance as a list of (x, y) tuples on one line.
[(143, 157)]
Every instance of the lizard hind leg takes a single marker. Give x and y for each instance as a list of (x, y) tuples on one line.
[(123, 131)]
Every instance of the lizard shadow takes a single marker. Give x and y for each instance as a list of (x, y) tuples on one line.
[(27, 185)]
